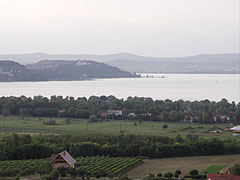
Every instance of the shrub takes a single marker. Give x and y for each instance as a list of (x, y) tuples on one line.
[(193, 172), (178, 172), (50, 122), (159, 174), (168, 175)]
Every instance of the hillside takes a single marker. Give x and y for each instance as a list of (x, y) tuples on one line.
[(13, 71), (203, 63), (48, 70)]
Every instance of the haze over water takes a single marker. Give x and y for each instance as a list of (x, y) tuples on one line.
[(175, 86)]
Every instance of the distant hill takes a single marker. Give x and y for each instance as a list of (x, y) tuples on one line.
[(13, 71), (49, 70), (203, 63)]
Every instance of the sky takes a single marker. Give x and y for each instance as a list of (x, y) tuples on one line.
[(161, 28)]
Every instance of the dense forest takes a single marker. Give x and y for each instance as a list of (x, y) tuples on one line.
[(133, 108)]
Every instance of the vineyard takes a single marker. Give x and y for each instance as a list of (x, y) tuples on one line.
[(185, 164), (25, 167), (109, 165), (92, 164)]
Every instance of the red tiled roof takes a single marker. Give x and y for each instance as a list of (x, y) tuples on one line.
[(222, 177)]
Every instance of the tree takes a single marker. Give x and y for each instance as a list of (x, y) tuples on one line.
[(176, 175), (193, 172), (54, 174), (93, 118), (165, 126), (178, 172), (5, 113), (62, 170), (179, 139), (168, 175), (73, 173), (159, 174)]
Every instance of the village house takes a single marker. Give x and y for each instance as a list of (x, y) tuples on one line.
[(188, 119), (63, 159), (114, 112)]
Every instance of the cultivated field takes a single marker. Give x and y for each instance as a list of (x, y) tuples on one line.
[(93, 165), (35, 126), (185, 164)]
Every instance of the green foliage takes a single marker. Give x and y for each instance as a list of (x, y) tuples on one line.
[(168, 175), (103, 166), (54, 174), (17, 177), (193, 172), (214, 169), (178, 172), (50, 122), (236, 169), (159, 174), (165, 126), (93, 118)]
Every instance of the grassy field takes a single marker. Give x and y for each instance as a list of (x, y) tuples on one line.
[(80, 126), (213, 169), (185, 164)]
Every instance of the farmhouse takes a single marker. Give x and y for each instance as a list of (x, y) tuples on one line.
[(62, 159)]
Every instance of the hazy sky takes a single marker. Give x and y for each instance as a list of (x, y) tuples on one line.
[(145, 27)]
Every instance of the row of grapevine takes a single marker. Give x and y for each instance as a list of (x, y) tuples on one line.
[(109, 165), (91, 164)]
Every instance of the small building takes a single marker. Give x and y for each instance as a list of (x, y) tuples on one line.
[(222, 177), (63, 159), (114, 112)]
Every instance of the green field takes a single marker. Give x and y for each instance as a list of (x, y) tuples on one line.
[(80, 126), (213, 169), (93, 165)]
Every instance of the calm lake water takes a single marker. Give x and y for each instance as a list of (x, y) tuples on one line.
[(173, 86)]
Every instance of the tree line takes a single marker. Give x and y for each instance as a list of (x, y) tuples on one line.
[(14, 146), (132, 108)]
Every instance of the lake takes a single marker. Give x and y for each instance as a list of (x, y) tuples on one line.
[(173, 86)]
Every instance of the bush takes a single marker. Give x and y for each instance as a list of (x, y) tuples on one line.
[(159, 174), (168, 175), (54, 174), (50, 122), (178, 172), (165, 126), (193, 172)]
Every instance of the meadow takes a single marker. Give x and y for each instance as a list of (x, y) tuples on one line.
[(35, 125)]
